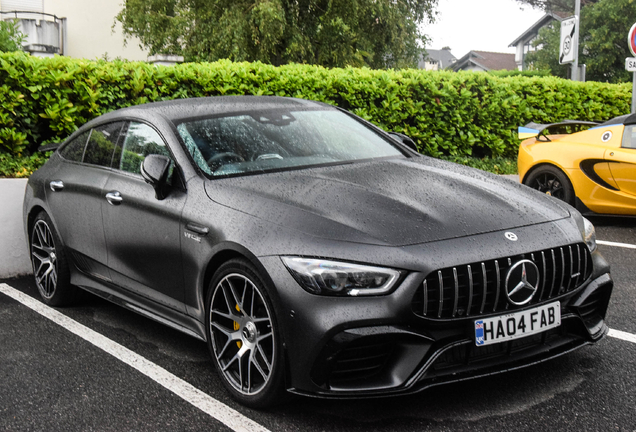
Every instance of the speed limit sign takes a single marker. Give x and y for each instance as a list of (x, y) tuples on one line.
[(568, 42)]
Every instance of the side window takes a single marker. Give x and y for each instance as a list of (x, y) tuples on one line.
[(101, 144), (141, 140), (74, 151), (629, 137)]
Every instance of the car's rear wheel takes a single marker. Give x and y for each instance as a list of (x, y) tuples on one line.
[(243, 336), (551, 181), (50, 267)]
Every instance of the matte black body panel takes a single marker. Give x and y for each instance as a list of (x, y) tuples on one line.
[(157, 255), (393, 202)]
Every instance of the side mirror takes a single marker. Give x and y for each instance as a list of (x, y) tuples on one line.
[(405, 140), (155, 169)]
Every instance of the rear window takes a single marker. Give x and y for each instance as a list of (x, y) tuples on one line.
[(101, 144), (74, 150)]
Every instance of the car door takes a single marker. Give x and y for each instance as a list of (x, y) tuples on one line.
[(622, 161), (142, 232), (74, 196)]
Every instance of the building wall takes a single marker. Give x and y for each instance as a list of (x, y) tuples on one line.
[(89, 27)]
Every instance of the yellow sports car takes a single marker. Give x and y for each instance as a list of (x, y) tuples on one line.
[(593, 170)]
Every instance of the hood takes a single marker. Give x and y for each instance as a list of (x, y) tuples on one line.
[(393, 202)]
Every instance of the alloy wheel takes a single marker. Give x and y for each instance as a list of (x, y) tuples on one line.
[(242, 334), (44, 259), (549, 184)]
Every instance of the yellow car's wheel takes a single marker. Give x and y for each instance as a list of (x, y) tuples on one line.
[(551, 181)]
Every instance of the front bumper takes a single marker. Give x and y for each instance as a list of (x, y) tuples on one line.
[(376, 346)]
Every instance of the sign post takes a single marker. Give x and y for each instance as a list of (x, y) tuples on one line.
[(630, 63), (575, 62)]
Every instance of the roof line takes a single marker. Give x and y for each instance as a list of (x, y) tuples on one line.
[(531, 29)]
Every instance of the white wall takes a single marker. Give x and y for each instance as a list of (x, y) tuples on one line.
[(14, 254), (89, 29)]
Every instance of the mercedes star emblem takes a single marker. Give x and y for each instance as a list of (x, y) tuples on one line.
[(511, 236), (522, 282)]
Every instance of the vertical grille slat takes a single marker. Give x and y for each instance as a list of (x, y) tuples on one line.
[(425, 289), (584, 263), (484, 287), (441, 293), (578, 264), (553, 272), (470, 289), (498, 278), (544, 271), (456, 296), (562, 271), (447, 291)]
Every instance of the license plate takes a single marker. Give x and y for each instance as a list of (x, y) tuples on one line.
[(518, 324)]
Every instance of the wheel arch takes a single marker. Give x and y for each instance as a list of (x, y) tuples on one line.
[(547, 164), (226, 252), (31, 215)]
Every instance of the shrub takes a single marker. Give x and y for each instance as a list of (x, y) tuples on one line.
[(21, 166), (463, 114)]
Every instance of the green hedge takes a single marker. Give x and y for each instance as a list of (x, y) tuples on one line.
[(446, 113)]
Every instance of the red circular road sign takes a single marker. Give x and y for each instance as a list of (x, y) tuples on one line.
[(631, 40)]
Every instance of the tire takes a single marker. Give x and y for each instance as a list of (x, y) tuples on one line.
[(551, 181), (50, 267), (243, 335)]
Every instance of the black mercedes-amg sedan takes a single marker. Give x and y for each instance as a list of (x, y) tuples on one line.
[(312, 251)]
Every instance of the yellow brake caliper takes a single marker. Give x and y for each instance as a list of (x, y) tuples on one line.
[(237, 326)]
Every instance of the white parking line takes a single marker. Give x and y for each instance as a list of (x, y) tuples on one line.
[(622, 335), (218, 410), (609, 243)]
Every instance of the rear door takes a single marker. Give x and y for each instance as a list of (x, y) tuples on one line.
[(74, 196), (142, 232)]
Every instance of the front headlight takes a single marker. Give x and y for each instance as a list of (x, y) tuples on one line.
[(325, 277), (589, 235)]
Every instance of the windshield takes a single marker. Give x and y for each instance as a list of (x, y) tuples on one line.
[(279, 139)]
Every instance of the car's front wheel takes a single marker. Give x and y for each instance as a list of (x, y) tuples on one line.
[(243, 335), (50, 267), (551, 181)]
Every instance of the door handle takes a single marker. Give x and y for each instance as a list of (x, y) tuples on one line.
[(56, 185), (201, 230), (114, 198)]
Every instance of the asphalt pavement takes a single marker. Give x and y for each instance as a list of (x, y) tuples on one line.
[(132, 374)]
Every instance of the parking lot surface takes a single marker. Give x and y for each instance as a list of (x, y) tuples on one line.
[(96, 366)]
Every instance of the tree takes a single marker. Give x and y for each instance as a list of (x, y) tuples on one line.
[(602, 42), (10, 36), (333, 33)]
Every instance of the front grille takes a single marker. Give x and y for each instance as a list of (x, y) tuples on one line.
[(478, 288)]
